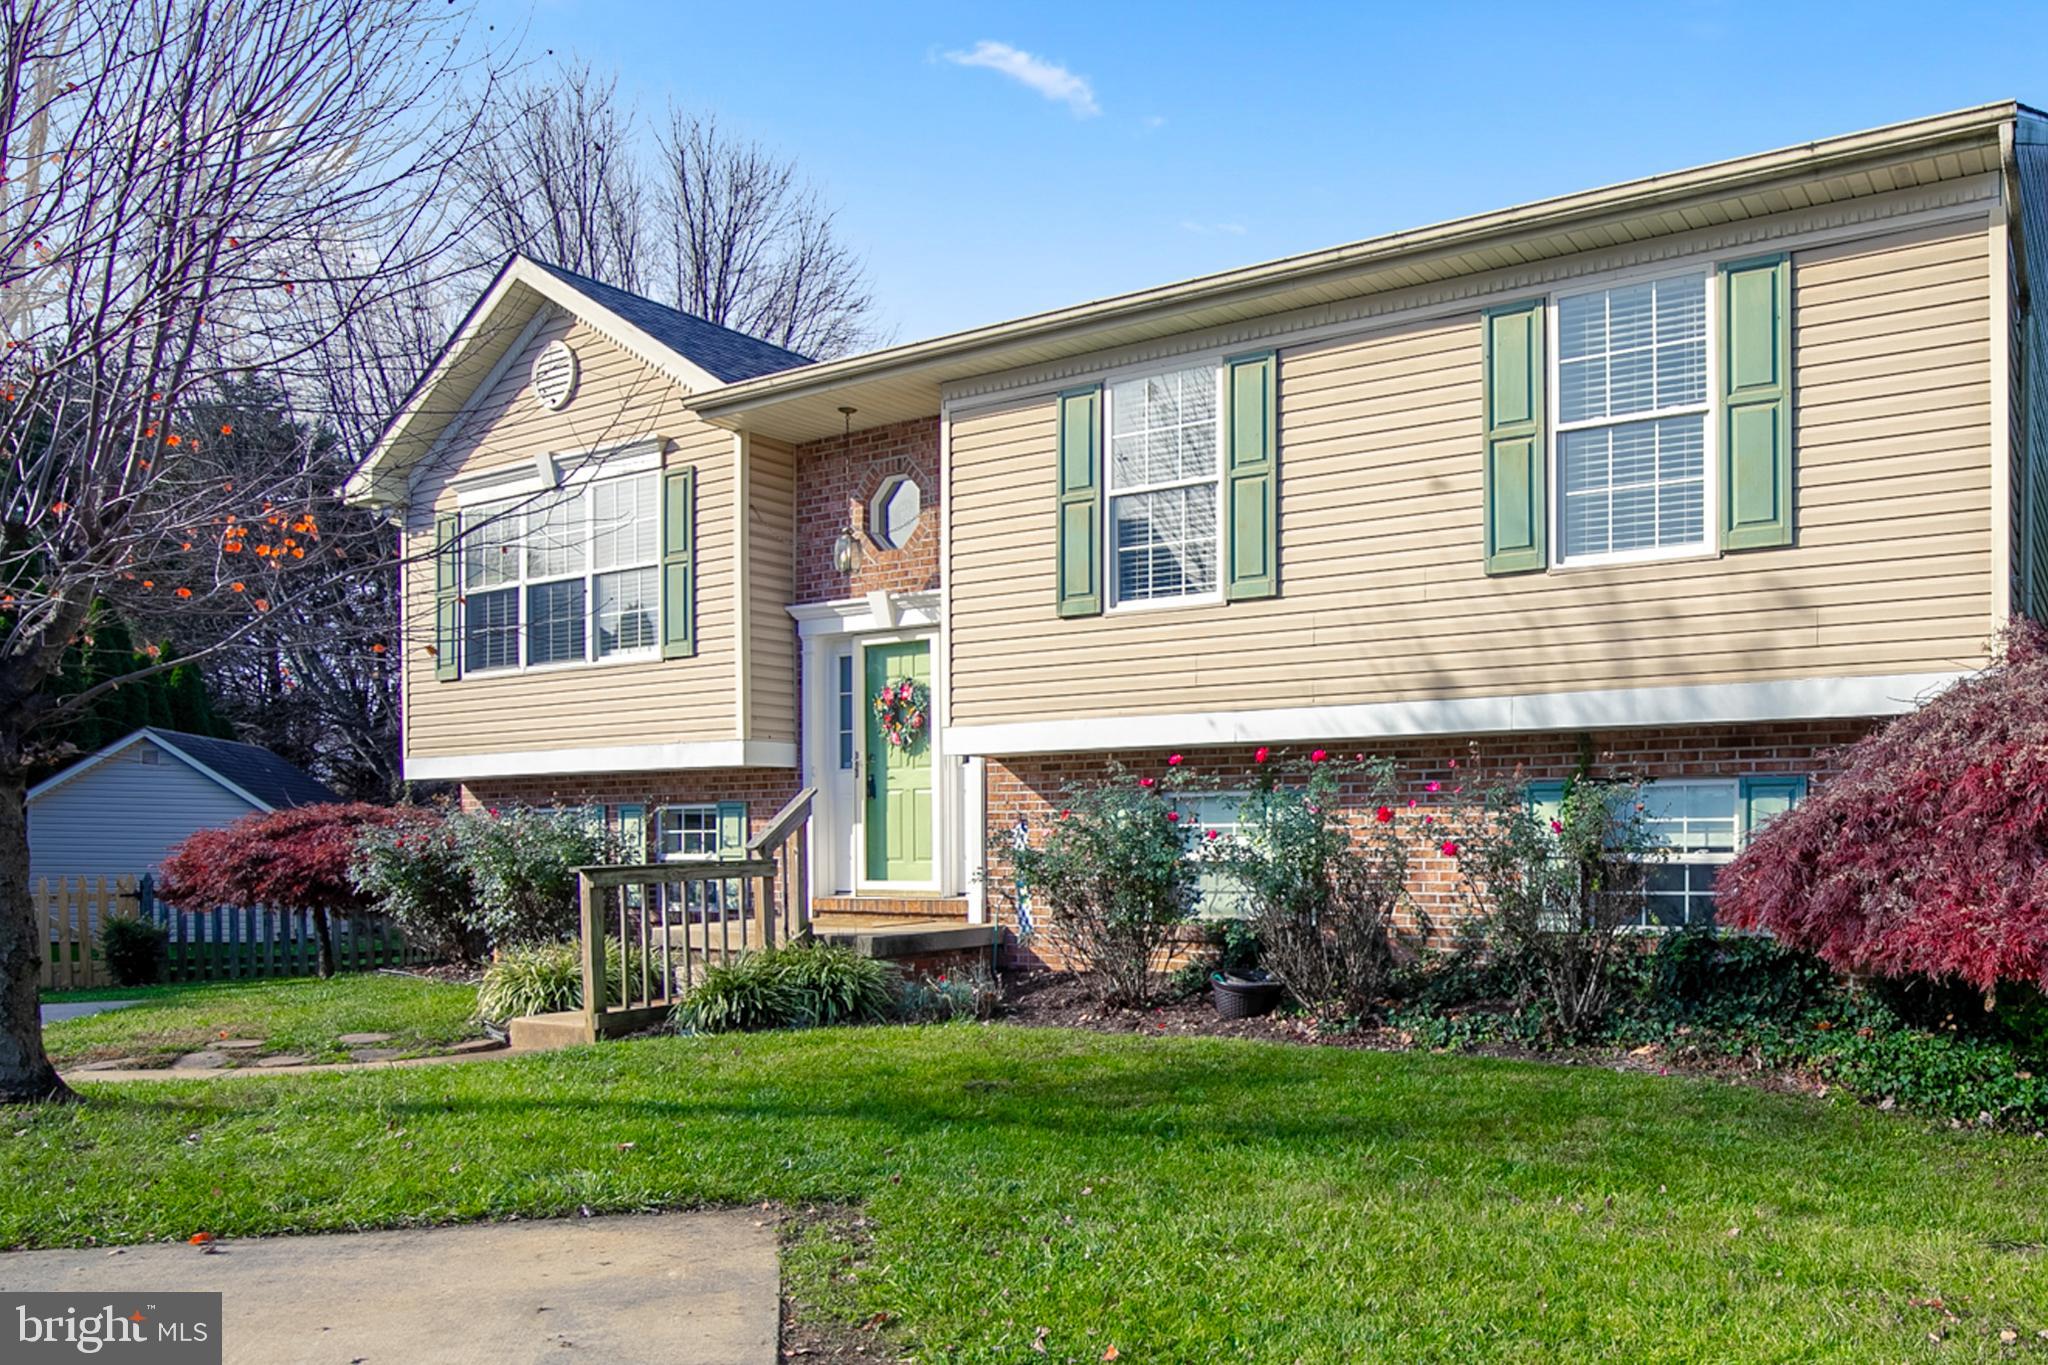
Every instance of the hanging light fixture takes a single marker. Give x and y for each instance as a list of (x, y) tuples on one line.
[(846, 549)]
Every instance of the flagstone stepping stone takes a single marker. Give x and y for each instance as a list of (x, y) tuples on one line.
[(283, 1059), (195, 1061), (237, 1045), (362, 1039), (116, 1064)]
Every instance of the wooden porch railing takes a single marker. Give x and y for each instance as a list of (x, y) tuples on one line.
[(648, 935)]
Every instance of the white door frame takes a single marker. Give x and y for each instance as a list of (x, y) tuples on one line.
[(838, 849)]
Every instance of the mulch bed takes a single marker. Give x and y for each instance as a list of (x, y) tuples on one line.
[(1060, 1000)]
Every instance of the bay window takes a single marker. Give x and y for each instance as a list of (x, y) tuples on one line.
[(1164, 485), (571, 576)]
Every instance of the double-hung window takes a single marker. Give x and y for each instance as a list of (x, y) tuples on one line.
[(685, 834), (1218, 894), (1699, 826), (569, 577), (1632, 425), (1164, 485)]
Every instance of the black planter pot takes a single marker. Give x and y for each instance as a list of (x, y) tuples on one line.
[(1243, 995)]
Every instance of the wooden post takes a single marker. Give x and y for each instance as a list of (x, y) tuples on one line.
[(765, 912), (592, 905), (802, 925)]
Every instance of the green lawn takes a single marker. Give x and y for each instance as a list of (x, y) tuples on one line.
[(301, 1015), (1180, 1199)]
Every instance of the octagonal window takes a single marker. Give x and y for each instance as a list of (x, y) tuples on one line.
[(894, 510)]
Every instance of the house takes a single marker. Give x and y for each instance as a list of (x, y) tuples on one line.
[(119, 812), (1708, 472)]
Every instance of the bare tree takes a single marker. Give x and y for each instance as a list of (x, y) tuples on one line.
[(195, 189), (753, 247), (556, 177)]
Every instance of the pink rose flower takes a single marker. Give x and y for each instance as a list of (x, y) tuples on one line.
[(1174, 761), (1173, 816), (1319, 755), (1260, 755), (1433, 787), (1450, 848), (1208, 834), (1147, 782), (1385, 815), (1557, 826)]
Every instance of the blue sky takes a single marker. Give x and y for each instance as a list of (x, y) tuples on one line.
[(997, 160)]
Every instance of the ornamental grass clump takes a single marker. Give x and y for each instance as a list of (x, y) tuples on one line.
[(801, 985), (1323, 886), (1110, 879), (1555, 887)]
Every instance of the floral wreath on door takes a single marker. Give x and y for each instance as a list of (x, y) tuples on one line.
[(903, 711)]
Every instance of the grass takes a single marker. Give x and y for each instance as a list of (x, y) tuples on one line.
[(302, 1015), (1180, 1199)]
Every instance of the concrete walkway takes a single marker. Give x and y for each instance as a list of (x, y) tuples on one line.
[(79, 1009), (679, 1287)]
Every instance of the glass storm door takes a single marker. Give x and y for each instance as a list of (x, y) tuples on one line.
[(897, 808)]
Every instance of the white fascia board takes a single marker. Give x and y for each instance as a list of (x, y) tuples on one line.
[(620, 758), (1612, 709)]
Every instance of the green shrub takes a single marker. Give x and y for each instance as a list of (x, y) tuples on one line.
[(522, 862), (1233, 946), (1556, 888), (134, 950), (800, 986), (415, 873), (969, 994), (1111, 878), (1703, 978), (1323, 893)]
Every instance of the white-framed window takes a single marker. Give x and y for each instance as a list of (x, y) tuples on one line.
[(684, 834), (1699, 823), (1219, 895), (1633, 426), (1164, 473), (569, 577)]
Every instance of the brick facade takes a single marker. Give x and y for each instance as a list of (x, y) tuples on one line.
[(1029, 788), (835, 480)]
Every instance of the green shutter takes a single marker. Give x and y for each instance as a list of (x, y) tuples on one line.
[(1756, 421), (732, 829), (1517, 505), (1252, 474), (1545, 800), (678, 564), (1765, 797), (1080, 502), (447, 597), (633, 834)]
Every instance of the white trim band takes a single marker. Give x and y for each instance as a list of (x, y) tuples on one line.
[(1613, 709), (620, 758)]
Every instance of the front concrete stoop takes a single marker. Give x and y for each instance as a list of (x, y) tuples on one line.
[(546, 1032)]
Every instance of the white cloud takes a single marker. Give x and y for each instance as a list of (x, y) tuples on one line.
[(1049, 79)]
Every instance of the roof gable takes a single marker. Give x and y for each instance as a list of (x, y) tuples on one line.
[(249, 771), (697, 355)]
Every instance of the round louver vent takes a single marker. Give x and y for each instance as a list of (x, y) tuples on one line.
[(554, 375)]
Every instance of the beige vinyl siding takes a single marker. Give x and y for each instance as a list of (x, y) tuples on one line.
[(1383, 595), (618, 401), (771, 587)]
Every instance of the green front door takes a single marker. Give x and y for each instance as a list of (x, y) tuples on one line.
[(898, 804)]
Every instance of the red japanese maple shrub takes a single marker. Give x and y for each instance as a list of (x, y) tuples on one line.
[(291, 859), (1928, 854)]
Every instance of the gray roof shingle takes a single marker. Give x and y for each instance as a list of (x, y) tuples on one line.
[(730, 356), (255, 770)]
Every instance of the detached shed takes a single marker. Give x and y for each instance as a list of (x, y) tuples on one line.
[(118, 812)]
